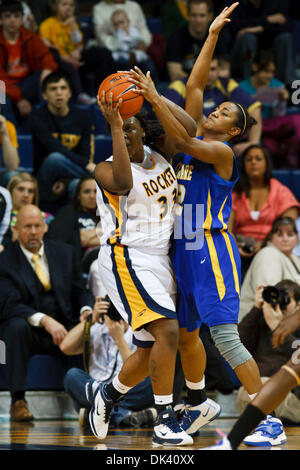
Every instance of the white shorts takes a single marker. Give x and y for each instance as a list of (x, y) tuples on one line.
[(140, 285)]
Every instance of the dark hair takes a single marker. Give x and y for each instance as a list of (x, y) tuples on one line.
[(277, 224), (292, 287), (12, 6), (54, 77), (76, 202), (263, 58), (243, 184), (243, 120), (209, 3)]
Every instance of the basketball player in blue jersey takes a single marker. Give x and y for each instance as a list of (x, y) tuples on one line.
[(204, 255)]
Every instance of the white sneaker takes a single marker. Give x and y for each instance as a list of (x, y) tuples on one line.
[(223, 444), (101, 409), (269, 432), (195, 417), (168, 432)]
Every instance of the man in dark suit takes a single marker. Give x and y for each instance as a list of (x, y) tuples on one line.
[(42, 295)]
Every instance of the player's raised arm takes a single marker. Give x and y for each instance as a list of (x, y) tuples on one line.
[(199, 75), (209, 153), (115, 176)]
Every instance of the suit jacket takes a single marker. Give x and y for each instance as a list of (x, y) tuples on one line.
[(19, 289)]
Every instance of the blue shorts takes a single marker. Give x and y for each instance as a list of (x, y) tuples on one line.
[(208, 281)]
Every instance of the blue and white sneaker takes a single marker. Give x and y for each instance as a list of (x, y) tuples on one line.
[(269, 432), (167, 431), (101, 409), (223, 444), (195, 417)]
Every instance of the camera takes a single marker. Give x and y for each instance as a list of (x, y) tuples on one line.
[(275, 296), (247, 243), (112, 312)]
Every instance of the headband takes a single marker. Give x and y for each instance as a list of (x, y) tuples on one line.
[(245, 118)]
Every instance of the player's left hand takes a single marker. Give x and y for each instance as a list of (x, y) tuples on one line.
[(145, 84), (222, 19)]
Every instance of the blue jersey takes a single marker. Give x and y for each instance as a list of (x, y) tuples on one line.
[(204, 255)]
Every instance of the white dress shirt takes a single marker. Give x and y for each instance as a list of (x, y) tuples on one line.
[(35, 319)]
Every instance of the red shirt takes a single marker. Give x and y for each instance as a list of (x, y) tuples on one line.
[(280, 199), (16, 68)]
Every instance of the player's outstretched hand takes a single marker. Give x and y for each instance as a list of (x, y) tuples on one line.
[(222, 19), (110, 112), (145, 84)]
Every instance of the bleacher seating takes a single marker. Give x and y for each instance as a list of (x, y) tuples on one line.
[(44, 372)]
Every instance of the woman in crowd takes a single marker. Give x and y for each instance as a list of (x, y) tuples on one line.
[(23, 188), (257, 200), (76, 223), (273, 263)]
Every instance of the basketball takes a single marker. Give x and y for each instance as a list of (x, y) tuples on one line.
[(120, 87)]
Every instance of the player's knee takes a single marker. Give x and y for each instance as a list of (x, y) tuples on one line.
[(188, 342), (227, 340), (170, 333)]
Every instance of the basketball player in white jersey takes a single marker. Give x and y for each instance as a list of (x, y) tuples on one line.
[(136, 194)]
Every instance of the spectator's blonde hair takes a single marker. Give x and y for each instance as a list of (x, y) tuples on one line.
[(20, 178)]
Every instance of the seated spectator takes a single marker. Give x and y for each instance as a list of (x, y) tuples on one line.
[(63, 142), (29, 21), (218, 90), (127, 46), (273, 263), (256, 334), (62, 34), (110, 344), (5, 213), (24, 62), (23, 188), (103, 27), (281, 132), (184, 45), (40, 300), (174, 16), (76, 223), (9, 148), (263, 24), (257, 200)]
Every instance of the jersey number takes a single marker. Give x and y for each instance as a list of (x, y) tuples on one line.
[(163, 201)]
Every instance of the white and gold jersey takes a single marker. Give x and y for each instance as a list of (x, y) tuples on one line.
[(144, 217)]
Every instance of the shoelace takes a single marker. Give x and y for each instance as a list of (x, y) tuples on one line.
[(267, 427), (171, 423), (108, 404)]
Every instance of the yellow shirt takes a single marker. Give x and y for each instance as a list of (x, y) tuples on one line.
[(12, 134), (59, 35)]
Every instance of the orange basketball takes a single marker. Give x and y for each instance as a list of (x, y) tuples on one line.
[(120, 87)]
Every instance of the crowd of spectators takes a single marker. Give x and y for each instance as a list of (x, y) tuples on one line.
[(51, 67)]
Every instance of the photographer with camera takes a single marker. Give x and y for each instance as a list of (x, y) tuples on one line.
[(274, 262), (272, 304), (105, 340)]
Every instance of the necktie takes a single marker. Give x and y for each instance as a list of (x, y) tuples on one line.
[(40, 272)]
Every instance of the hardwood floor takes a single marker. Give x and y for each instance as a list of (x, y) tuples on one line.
[(66, 435)]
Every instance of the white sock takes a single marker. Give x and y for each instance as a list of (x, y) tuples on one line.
[(163, 399), (196, 385), (119, 386)]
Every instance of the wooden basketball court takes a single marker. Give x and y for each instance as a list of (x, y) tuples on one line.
[(67, 435)]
